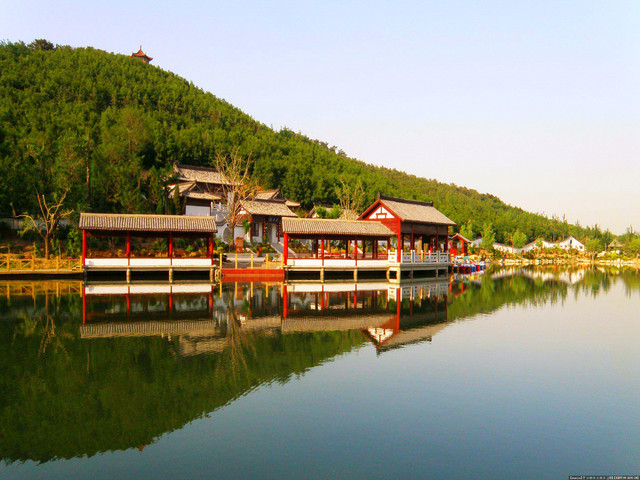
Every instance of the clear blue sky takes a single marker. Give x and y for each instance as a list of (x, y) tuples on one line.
[(535, 102)]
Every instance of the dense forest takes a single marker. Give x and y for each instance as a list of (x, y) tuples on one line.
[(105, 130)]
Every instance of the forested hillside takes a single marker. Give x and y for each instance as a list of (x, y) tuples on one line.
[(106, 129)]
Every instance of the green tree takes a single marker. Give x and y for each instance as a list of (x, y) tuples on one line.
[(519, 239), (593, 245), (467, 230), (488, 236)]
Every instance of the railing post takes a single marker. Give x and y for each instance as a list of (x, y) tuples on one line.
[(252, 260), (236, 260), (221, 261), (57, 263), (33, 262), (8, 262)]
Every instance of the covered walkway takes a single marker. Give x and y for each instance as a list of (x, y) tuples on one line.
[(144, 243)]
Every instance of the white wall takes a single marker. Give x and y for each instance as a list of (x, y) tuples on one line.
[(197, 210)]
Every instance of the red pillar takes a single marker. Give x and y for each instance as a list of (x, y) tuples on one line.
[(285, 296), (286, 248), (128, 247), (170, 246), (400, 246), (322, 250), (413, 245), (84, 246)]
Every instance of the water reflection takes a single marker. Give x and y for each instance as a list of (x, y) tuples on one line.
[(89, 369)]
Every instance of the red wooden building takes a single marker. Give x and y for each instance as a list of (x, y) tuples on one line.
[(391, 236), (459, 245), (417, 226)]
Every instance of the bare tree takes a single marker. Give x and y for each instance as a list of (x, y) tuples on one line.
[(236, 185), (51, 215), (351, 197)]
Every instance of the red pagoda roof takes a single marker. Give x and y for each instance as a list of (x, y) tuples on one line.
[(140, 54)]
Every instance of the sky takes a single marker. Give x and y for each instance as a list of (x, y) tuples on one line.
[(535, 102)]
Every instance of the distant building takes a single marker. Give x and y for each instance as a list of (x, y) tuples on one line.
[(506, 248), (141, 55), (202, 190), (569, 243), (265, 217), (615, 245), (275, 195), (530, 246), (459, 245)]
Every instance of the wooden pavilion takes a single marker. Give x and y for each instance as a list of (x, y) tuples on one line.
[(141, 55), (165, 229), (417, 226), (392, 235)]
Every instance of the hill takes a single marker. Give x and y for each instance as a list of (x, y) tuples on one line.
[(90, 123)]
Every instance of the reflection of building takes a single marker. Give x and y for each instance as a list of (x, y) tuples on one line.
[(203, 318), (565, 276), (389, 315), (198, 315)]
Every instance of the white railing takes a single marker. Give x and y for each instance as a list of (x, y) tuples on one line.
[(419, 258), (407, 258), (148, 262)]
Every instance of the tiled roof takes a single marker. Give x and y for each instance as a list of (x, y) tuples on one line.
[(141, 54), (415, 335), (460, 236), (265, 207), (147, 223), (190, 173), (414, 211), (275, 195), (267, 195), (202, 195), (339, 321), (323, 226)]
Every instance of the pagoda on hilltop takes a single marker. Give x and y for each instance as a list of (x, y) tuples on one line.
[(141, 55)]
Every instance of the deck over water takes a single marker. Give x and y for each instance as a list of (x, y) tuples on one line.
[(393, 267)]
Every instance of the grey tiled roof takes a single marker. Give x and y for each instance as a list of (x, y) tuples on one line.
[(147, 223), (269, 208), (414, 211), (190, 173), (323, 226), (267, 195)]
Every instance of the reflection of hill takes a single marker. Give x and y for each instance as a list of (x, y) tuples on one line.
[(101, 394), (531, 286)]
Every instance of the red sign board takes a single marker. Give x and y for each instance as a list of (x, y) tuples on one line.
[(239, 245)]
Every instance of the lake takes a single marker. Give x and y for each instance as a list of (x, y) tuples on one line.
[(517, 373)]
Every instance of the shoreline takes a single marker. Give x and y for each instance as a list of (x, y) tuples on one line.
[(633, 263)]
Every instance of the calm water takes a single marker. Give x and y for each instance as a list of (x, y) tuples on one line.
[(515, 374)]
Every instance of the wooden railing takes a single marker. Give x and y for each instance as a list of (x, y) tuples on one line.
[(19, 263), (13, 288)]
